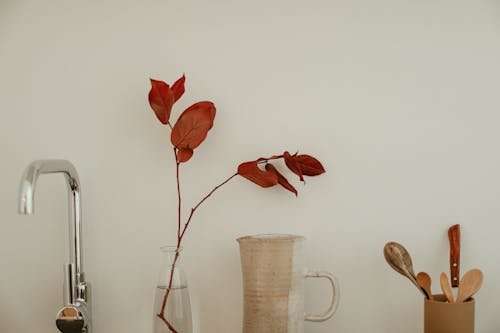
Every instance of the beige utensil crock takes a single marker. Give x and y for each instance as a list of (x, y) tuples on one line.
[(443, 317), (273, 284)]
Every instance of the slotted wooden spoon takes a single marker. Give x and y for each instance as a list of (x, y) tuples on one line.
[(399, 259)]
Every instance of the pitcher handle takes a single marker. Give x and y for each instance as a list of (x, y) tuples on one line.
[(335, 296)]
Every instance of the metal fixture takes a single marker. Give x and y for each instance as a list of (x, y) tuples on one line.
[(74, 317)]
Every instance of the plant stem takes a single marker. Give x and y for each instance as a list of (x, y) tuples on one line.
[(180, 237), (169, 287), (170, 327), (201, 201), (161, 315), (264, 160), (178, 198)]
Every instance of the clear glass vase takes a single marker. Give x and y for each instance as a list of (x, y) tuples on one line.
[(178, 307)]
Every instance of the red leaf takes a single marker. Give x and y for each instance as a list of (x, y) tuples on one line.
[(211, 112), (193, 125), (281, 179), (252, 172), (178, 88), (161, 99), (291, 163), (309, 165), (184, 154)]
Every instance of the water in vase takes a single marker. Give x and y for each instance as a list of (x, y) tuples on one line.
[(178, 310)]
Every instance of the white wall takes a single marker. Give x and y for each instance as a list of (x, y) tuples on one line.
[(399, 99)]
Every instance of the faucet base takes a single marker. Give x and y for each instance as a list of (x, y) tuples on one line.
[(70, 326)]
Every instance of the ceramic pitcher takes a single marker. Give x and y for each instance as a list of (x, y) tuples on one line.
[(274, 271)]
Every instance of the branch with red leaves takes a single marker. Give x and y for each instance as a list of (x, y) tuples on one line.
[(188, 132)]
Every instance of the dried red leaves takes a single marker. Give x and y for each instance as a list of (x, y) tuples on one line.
[(161, 99), (193, 125), (252, 172), (281, 179), (301, 165), (192, 128)]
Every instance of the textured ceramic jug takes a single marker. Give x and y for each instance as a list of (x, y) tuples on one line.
[(273, 282)]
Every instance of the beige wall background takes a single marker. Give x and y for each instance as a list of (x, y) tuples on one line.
[(399, 99)]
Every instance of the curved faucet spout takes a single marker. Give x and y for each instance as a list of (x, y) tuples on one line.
[(75, 315), (26, 200)]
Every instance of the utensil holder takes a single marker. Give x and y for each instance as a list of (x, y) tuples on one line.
[(443, 317)]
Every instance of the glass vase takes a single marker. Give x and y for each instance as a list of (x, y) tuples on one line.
[(178, 307)]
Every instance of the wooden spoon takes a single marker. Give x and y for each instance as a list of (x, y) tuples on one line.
[(399, 259), (445, 286), (424, 281), (470, 283)]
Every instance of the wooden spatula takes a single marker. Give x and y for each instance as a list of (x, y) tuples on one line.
[(470, 283), (445, 286)]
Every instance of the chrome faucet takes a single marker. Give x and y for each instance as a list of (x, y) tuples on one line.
[(74, 317)]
